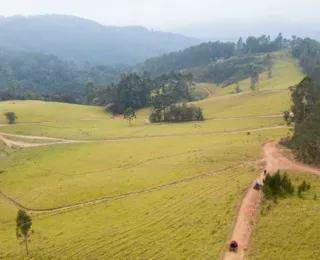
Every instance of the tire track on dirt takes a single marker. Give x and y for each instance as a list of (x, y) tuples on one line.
[(242, 229)]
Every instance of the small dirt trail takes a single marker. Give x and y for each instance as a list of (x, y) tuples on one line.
[(56, 141), (242, 230), (121, 196), (208, 91)]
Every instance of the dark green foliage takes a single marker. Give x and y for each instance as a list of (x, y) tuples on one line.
[(137, 91), (26, 75), (11, 117), (23, 226), (277, 185), (232, 70), (178, 113), (129, 114), (194, 56), (303, 187), (306, 108), (211, 52)]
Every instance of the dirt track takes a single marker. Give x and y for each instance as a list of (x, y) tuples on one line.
[(56, 141), (204, 89), (242, 230), (121, 196)]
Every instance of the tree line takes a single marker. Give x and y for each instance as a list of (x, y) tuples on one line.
[(25, 75), (211, 52), (138, 91)]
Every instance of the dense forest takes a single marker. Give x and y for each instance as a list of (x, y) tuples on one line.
[(212, 52), (306, 101), (306, 109), (25, 75), (78, 39)]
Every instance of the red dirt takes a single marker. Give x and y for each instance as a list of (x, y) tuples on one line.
[(242, 230)]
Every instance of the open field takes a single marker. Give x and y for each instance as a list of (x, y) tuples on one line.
[(257, 104), (40, 111), (119, 128), (285, 73), (52, 176), (290, 229), (184, 222), (173, 189)]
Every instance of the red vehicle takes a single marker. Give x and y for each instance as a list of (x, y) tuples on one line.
[(233, 247)]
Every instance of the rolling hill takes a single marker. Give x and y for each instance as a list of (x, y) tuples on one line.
[(78, 39)]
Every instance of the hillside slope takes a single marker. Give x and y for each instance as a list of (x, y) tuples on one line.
[(79, 39)]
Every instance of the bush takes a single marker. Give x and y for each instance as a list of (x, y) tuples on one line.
[(303, 187), (11, 117), (277, 185), (178, 113)]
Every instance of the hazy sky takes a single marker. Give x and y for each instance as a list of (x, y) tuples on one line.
[(164, 14)]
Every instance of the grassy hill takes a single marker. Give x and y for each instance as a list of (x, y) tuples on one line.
[(170, 191)]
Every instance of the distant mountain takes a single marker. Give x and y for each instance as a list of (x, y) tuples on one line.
[(231, 30), (79, 39)]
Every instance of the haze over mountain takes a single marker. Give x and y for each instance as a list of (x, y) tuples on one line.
[(232, 29), (79, 39)]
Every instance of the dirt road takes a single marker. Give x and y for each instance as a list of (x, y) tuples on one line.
[(242, 230)]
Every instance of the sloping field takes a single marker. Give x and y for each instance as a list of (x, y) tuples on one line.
[(286, 72), (41, 111), (290, 228), (119, 128), (151, 191), (189, 221), (247, 104), (53, 176)]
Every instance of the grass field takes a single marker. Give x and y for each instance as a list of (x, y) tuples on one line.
[(260, 103), (119, 128), (285, 73), (290, 230), (65, 174), (188, 220), (40, 111), (184, 222)]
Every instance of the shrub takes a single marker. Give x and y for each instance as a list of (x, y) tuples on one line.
[(303, 187), (277, 185), (11, 117), (178, 113)]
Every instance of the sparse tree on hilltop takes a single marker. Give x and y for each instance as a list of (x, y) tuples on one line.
[(23, 226), (11, 117), (129, 114)]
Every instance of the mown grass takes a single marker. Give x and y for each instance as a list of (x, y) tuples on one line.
[(188, 221), (257, 104), (59, 175), (290, 229), (40, 111), (119, 128)]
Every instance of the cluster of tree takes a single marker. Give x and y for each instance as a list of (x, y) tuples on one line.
[(277, 185), (307, 51), (177, 113), (207, 53), (78, 39), (306, 111), (137, 91), (234, 69), (198, 55), (25, 75), (261, 44)]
